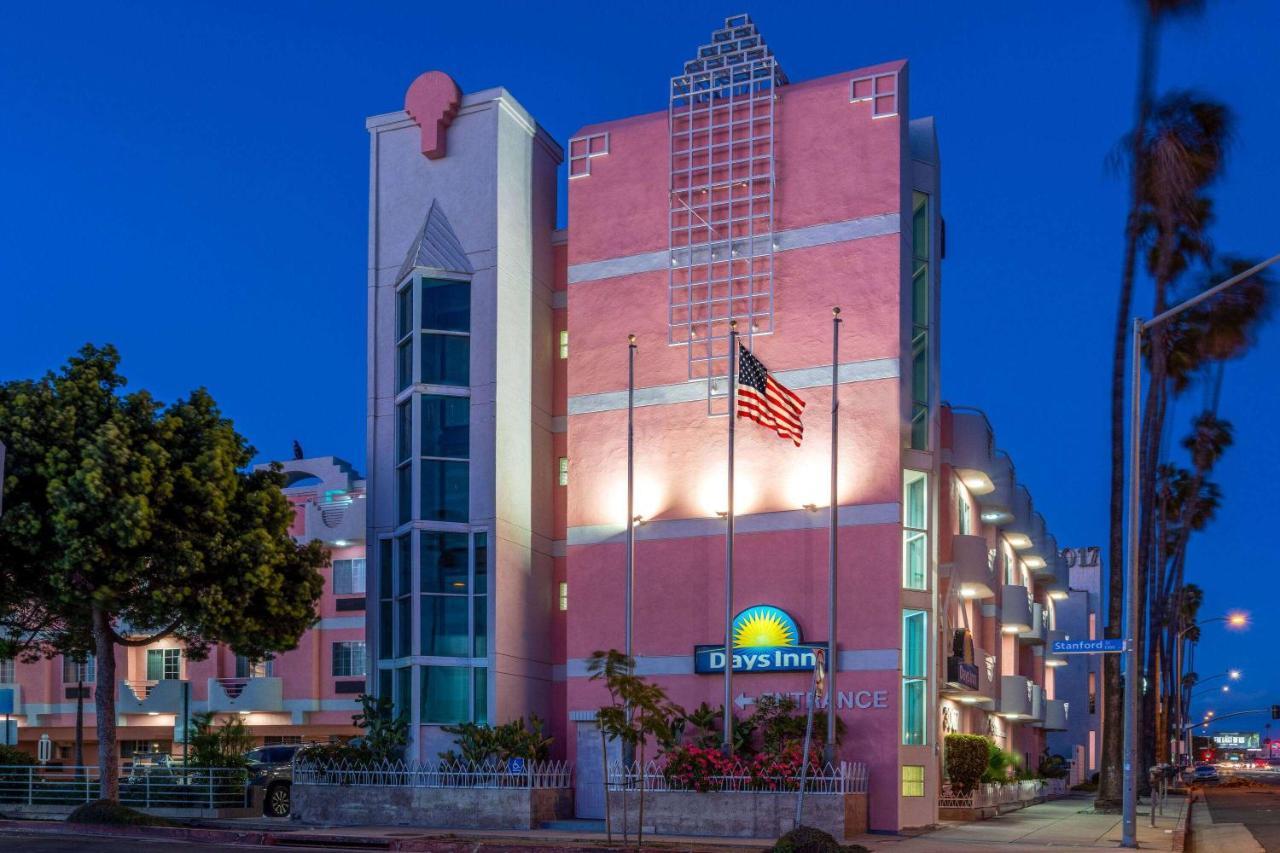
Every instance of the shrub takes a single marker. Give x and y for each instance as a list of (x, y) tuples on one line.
[(1000, 764), (1053, 767), (807, 839), (222, 746), (107, 812), (386, 734), (967, 760), (12, 756), (515, 739)]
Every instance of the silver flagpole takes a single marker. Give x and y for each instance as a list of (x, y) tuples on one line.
[(727, 746), (631, 513), (833, 511)]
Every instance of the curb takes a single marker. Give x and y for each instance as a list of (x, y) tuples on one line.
[(176, 833), (1182, 832)]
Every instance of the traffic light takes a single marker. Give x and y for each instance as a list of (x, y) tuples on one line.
[(1275, 712)]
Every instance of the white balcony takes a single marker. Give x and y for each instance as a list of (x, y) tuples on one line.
[(1035, 632), (1015, 609), (1020, 528), (1035, 695), (972, 450), (1015, 698), (150, 697), (1056, 715), (340, 519), (997, 503), (971, 569), (245, 695)]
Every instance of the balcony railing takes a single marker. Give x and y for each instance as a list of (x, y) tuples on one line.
[(151, 697), (246, 694), (971, 569)]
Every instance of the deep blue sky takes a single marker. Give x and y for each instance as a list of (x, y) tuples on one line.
[(188, 181)]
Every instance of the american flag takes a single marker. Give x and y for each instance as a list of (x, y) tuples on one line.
[(765, 400)]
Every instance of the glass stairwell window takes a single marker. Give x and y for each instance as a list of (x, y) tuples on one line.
[(914, 676), (164, 664), (921, 289), (915, 530), (446, 332)]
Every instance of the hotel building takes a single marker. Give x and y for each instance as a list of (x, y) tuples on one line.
[(303, 695), (497, 405)]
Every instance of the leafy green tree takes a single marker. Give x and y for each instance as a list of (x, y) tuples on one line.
[(386, 733), (638, 711), (130, 521)]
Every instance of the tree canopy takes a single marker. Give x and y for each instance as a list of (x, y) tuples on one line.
[(128, 521)]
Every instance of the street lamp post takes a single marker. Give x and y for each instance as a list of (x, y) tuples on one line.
[(1236, 620), (1129, 837)]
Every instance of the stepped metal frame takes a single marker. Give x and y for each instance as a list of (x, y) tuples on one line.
[(721, 245)]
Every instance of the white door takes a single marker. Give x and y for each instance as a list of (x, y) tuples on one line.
[(588, 771)]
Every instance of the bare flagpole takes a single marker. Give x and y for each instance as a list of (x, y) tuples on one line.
[(727, 745), (631, 491), (833, 510)]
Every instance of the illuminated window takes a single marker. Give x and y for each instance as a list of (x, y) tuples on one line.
[(564, 344), (915, 670), (564, 595), (564, 471), (913, 780), (1093, 626), (1093, 693), (915, 529)]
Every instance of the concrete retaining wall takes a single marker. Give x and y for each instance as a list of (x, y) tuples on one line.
[(738, 814), (431, 808)]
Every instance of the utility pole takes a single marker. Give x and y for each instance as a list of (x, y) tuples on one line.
[(1133, 626)]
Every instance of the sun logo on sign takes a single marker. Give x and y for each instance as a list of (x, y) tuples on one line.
[(764, 626)]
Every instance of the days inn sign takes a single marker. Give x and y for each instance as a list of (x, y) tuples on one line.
[(765, 639)]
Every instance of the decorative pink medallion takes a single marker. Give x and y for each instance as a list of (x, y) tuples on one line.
[(432, 101)]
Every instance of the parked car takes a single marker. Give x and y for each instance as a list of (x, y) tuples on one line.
[(271, 767), (1204, 773)]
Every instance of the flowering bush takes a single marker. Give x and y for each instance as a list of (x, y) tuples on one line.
[(703, 769)]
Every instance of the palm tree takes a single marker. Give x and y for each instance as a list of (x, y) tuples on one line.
[(1152, 14)]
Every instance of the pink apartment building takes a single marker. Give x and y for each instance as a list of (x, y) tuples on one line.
[(307, 694), (498, 411)]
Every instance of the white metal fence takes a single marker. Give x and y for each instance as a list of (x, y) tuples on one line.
[(152, 788), (986, 795), (847, 777), (462, 774)]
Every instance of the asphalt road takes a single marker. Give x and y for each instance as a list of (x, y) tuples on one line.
[(37, 843), (1258, 810)]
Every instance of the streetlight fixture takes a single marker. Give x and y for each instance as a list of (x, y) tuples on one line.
[(1234, 619), (1133, 629)]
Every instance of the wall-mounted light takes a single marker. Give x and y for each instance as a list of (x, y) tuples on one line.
[(1058, 595), (341, 543), (1018, 541)]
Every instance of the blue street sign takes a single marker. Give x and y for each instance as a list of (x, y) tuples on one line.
[(515, 765), (1087, 647), (6, 700)]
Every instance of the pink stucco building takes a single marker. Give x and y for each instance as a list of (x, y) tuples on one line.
[(498, 347), (303, 695)]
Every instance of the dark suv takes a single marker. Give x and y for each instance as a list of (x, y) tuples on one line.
[(272, 767)]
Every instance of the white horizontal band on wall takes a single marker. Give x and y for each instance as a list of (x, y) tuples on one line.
[(761, 522), (692, 392), (878, 225)]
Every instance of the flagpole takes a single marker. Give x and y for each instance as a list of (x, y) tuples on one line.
[(631, 514), (833, 511), (727, 745)]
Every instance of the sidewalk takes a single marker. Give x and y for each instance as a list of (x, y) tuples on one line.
[(1066, 824)]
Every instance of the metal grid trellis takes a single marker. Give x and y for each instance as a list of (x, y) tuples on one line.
[(721, 121)]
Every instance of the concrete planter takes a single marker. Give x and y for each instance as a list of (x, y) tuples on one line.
[(430, 808), (738, 814)]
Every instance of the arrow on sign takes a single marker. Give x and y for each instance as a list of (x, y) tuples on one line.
[(743, 701)]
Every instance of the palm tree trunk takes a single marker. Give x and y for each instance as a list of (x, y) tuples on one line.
[(1111, 773)]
